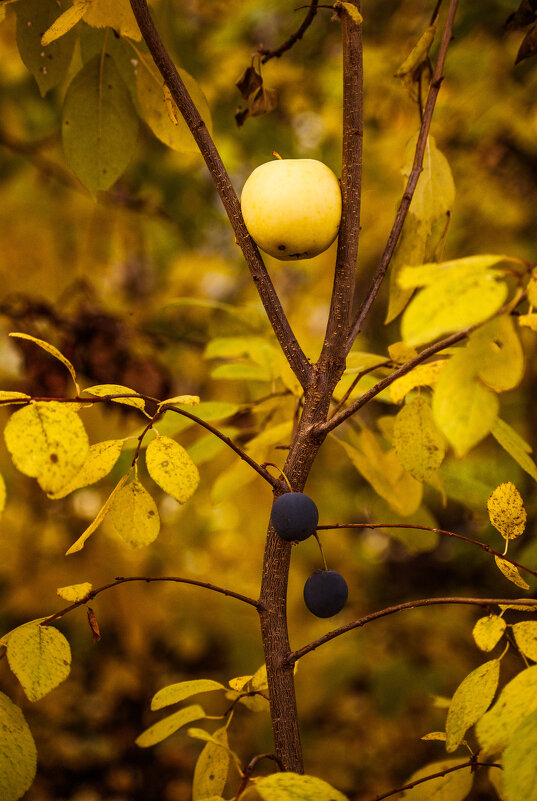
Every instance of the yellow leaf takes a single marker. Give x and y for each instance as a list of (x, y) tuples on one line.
[(496, 348), (488, 631), (418, 54), (168, 725), (154, 112), (296, 787), (47, 441), (517, 700), (81, 541), (212, 767), (515, 446), (103, 390), (519, 775), (511, 572), (400, 352), (171, 108), (506, 511), (40, 657), (411, 249), (117, 15), (75, 592), (18, 756), (100, 460), (434, 195), (528, 321), (418, 443), (424, 375), (526, 638), (134, 515), (454, 786), (470, 701), (463, 409), (174, 693), (12, 397), (186, 400), (351, 10), (454, 269), (170, 466), (53, 352), (65, 21), (532, 288), (435, 735)]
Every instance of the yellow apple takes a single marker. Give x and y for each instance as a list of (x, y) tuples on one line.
[(292, 207)]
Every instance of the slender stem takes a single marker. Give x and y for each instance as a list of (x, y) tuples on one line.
[(391, 610), (351, 183), (293, 39), (477, 543), (148, 579), (412, 179), (355, 383), (249, 770), (472, 763), (286, 338)]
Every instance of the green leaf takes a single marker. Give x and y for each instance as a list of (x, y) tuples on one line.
[(101, 458), (516, 701), (75, 592), (134, 515), (418, 443), (103, 390), (47, 441), (506, 511), (452, 303), (99, 124), (174, 134), (488, 631), (170, 466), (174, 693), (511, 572), (212, 767), (40, 657), (463, 408), (515, 446), (53, 352), (435, 191), (295, 787), (18, 757), (48, 64), (168, 725), (526, 638), (470, 701), (519, 778), (454, 786)]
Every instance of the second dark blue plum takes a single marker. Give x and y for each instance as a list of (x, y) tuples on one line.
[(294, 516), (325, 593)]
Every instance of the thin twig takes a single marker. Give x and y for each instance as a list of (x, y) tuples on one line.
[(249, 769), (470, 764), (390, 610), (469, 540), (123, 579), (271, 302), (354, 384), (293, 39), (412, 179)]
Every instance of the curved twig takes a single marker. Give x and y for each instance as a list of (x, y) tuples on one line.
[(412, 179), (148, 579), (477, 543), (470, 764), (280, 324), (391, 610), (293, 39)]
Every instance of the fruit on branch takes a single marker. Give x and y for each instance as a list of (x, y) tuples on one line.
[(325, 593), (292, 207), (294, 516)]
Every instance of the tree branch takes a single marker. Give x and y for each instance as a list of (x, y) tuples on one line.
[(477, 543), (286, 338), (412, 179), (123, 579), (293, 39), (470, 764), (391, 610), (351, 189)]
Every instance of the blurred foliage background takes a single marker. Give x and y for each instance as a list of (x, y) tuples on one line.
[(103, 282)]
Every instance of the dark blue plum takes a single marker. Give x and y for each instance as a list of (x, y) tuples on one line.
[(325, 593), (294, 516)]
